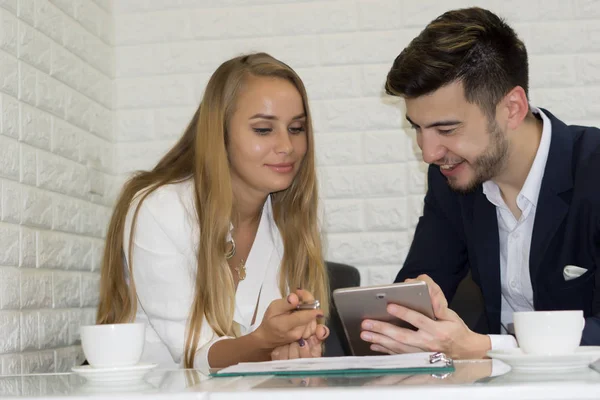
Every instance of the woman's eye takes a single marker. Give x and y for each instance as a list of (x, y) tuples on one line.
[(297, 129), (262, 131)]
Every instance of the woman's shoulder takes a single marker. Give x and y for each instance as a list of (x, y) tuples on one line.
[(171, 198), (170, 207)]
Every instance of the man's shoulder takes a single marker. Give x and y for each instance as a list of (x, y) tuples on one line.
[(586, 167), (583, 144), (587, 176), (586, 150)]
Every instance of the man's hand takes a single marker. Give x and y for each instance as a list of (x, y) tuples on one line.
[(447, 334)]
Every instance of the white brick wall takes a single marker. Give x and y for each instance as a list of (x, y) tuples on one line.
[(58, 175), (371, 175), (56, 71)]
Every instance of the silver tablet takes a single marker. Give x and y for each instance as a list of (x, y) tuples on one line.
[(370, 302)]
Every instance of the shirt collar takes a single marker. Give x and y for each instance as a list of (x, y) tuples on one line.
[(531, 188), (533, 183)]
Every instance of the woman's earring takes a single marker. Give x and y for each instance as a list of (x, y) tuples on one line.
[(231, 251)]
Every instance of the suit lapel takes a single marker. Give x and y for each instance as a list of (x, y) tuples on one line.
[(487, 247), (551, 207)]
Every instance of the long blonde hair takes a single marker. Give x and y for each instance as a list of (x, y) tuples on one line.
[(201, 154)]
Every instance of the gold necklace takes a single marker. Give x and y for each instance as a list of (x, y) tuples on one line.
[(241, 270)]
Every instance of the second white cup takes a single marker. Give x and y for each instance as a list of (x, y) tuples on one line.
[(113, 345), (549, 332)]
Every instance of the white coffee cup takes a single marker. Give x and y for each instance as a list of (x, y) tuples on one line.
[(549, 332), (113, 345)]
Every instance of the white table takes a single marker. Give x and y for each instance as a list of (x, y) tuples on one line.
[(471, 380)]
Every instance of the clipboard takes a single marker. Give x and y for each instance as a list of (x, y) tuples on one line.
[(414, 363)]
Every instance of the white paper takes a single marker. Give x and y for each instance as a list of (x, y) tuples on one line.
[(399, 361)]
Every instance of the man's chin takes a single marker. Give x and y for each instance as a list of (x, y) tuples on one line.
[(462, 187)]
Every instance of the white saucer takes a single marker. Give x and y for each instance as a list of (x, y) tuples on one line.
[(113, 374), (519, 361), (121, 387), (585, 375)]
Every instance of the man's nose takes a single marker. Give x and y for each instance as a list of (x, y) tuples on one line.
[(431, 147)]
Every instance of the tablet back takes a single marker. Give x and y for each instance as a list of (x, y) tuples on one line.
[(359, 303)]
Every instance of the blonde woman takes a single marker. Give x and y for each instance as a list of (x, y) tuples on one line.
[(216, 246)]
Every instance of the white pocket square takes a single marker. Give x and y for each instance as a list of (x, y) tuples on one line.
[(572, 271)]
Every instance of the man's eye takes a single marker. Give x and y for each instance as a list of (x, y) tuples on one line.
[(445, 131)]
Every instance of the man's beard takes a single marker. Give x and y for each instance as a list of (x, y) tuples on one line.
[(487, 165)]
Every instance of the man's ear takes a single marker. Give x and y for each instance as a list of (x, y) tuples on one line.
[(516, 107)]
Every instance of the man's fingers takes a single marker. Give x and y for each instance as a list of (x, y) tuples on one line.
[(414, 318), (381, 349), (394, 337), (383, 341), (435, 292), (399, 349), (446, 314), (438, 299)]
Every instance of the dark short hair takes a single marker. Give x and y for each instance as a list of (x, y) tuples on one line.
[(471, 45)]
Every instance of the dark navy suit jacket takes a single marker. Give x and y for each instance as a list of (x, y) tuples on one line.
[(458, 232)]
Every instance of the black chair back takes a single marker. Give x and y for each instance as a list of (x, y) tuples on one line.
[(340, 276)]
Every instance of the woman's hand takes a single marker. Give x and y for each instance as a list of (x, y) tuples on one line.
[(311, 348), (306, 297), (282, 324)]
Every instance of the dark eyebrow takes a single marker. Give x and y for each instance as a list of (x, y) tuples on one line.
[(272, 117), (437, 123)]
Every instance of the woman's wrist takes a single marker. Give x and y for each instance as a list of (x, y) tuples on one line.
[(259, 341)]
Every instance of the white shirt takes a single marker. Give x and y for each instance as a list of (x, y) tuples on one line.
[(165, 245), (515, 239)]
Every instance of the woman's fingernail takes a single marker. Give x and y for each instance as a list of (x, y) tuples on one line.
[(289, 299), (327, 331), (301, 342), (367, 325)]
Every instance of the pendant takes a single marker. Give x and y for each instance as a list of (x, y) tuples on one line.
[(241, 270)]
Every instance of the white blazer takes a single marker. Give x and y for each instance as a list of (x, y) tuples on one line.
[(165, 246)]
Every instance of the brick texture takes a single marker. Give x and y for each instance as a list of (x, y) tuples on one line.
[(371, 175), (56, 144)]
